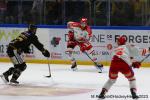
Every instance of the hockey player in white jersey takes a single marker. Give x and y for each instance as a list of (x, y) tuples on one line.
[(79, 34), (122, 61)]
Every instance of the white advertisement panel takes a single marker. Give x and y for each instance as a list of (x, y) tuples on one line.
[(55, 40), (7, 34), (103, 42)]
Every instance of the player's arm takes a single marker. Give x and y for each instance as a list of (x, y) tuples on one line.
[(71, 36), (89, 30), (134, 50), (40, 46), (70, 26), (134, 54)]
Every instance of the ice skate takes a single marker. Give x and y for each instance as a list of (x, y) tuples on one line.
[(13, 82), (134, 95), (4, 78), (102, 94), (74, 66), (101, 97)]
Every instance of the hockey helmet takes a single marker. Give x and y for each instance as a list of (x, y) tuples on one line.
[(121, 40), (32, 28), (83, 22)]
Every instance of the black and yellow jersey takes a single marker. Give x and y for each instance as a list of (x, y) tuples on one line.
[(24, 40)]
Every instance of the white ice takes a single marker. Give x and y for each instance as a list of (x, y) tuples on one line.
[(68, 85)]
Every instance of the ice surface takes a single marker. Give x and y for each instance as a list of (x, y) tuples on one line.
[(68, 85)]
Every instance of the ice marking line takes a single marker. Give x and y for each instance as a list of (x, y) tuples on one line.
[(26, 90)]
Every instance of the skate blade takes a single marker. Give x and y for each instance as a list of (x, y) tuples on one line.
[(3, 79), (136, 98), (74, 69), (100, 98), (13, 84)]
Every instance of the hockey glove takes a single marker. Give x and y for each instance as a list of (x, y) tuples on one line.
[(46, 53), (136, 64)]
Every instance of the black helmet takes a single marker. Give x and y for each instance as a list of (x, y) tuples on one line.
[(32, 27)]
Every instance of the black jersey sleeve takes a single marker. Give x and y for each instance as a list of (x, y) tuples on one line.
[(37, 43)]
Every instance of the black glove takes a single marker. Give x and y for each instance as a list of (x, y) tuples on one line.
[(46, 53)]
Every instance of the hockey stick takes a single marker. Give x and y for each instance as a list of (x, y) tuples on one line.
[(145, 58), (91, 59), (49, 69)]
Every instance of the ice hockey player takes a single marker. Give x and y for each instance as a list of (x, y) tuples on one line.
[(123, 62), (79, 34), (15, 49)]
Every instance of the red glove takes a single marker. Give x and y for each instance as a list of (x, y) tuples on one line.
[(71, 35), (136, 64)]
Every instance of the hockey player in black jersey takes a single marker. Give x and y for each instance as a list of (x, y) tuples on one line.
[(15, 49)]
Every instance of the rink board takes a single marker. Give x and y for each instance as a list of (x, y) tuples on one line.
[(106, 63), (55, 39)]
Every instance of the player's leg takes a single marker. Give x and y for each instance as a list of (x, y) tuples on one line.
[(112, 79), (19, 66), (129, 74), (70, 46), (113, 75), (5, 75), (106, 87), (18, 69), (133, 90)]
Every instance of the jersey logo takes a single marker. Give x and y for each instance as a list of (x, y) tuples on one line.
[(119, 51)]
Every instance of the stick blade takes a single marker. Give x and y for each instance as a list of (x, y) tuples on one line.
[(48, 76)]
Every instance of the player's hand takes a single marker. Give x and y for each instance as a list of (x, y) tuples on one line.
[(46, 53), (136, 64), (149, 50)]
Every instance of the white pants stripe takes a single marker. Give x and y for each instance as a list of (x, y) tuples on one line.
[(17, 59)]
